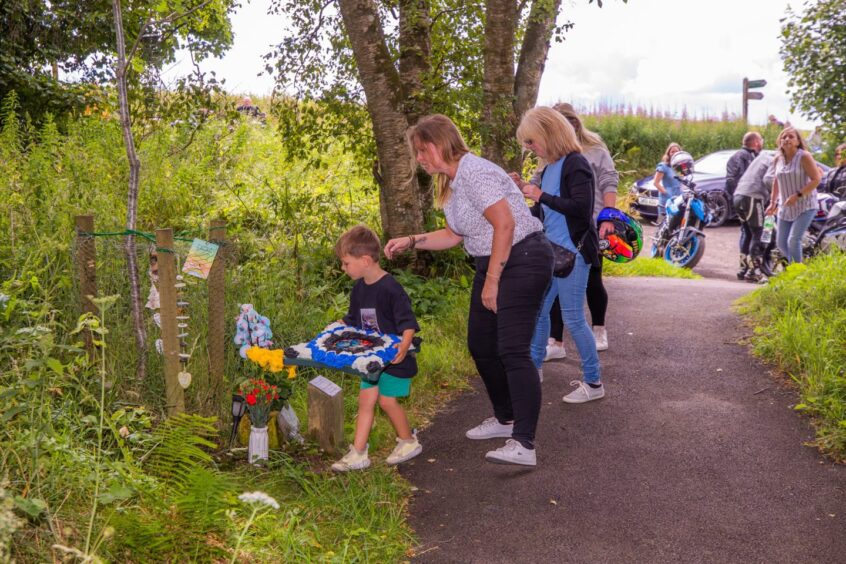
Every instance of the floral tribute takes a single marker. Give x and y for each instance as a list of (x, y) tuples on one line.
[(259, 396)]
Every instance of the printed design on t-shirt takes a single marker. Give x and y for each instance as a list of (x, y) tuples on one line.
[(369, 320)]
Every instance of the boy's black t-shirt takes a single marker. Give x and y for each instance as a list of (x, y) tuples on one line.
[(384, 307)]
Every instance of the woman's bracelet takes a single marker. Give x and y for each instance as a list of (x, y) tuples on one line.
[(412, 242), (494, 276)]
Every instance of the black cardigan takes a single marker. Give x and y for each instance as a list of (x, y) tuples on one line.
[(576, 203)]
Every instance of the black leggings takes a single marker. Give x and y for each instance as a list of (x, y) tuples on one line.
[(597, 299), (500, 342)]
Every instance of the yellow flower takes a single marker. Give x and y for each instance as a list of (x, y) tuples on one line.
[(272, 360), (292, 372)]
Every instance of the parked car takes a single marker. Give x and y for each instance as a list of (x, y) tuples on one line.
[(709, 174)]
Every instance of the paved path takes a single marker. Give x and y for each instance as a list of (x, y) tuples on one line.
[(693, 456)]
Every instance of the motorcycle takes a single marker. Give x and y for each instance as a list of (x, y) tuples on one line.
[(826, 230), (680, 238)]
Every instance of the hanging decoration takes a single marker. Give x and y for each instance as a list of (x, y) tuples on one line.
[(200, 258)]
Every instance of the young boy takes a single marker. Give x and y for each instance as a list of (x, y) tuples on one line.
[(378, 303)]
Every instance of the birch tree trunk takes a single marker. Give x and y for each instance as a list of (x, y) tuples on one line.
[(132, 196), (399, 202), (498, 120), (509, 93)]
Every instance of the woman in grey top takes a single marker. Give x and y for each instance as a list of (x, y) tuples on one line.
[(485, 211), (794, 194)]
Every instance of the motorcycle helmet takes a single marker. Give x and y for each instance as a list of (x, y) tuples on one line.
[(625, 242), (682, 164)]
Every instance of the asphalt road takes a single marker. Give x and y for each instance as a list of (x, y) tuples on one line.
[(695, 454)]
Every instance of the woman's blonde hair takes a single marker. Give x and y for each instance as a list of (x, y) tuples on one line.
[(666, 158), (558, 135), (785, 131), (586, 137), (441, 132)]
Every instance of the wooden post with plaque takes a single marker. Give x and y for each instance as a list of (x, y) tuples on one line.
[(326, 414)]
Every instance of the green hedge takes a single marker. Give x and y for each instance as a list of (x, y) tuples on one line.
[(800, 326)]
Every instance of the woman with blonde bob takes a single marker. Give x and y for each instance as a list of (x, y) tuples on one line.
[(565, 202), (606, 181), (794, 195), (487, 213)]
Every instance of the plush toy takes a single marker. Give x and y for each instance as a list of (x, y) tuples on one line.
[(252, 330)]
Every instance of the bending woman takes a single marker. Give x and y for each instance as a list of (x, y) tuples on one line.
[(486, 212), (566, 203)]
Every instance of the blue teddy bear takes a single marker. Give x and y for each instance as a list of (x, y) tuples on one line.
[(252, 330)]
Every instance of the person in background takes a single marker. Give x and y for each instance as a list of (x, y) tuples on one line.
[(751, 198), (736, 166), (565, 203), (486, 212), (606, 181), (794, 193), (815, 140), (774, 121), (834, 181), (246, 107), (665, 181)]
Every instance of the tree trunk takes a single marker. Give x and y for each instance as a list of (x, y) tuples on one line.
[(533, 54), (132, 197), (498, 120), (414, 66), (395, 173)]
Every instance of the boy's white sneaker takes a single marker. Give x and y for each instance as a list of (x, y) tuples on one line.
[(512, 453), (405, 450), (490, 428), (584, 393), (600, 335), (353, 460), (554, 351)]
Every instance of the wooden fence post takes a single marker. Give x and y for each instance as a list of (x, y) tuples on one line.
[(217, 311), (326, 414), (175, 399), (86, 263)]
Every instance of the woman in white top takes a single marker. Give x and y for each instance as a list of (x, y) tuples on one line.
[(794, 194), (486, 212)]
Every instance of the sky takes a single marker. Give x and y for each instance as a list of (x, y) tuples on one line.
[(665, 54)]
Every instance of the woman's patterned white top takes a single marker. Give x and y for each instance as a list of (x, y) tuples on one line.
[(478, 184), (791, 178)]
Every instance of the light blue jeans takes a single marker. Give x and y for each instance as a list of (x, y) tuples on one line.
[(790, 233), (571, 294)]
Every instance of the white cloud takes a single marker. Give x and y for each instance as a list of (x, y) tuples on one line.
[(671, 54)]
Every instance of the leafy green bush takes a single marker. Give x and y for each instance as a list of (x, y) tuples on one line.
[(800, 326)]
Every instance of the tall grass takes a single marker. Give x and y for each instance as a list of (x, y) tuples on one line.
[(282, 221), (800, 327)]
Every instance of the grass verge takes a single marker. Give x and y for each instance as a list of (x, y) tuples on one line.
[(800, 327), (644, 266)]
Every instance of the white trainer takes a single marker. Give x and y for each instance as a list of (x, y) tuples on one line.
[(353, 460), (512, 453), (490, 428), (405, 450), (584, 393), (554, 350), (600, 335)]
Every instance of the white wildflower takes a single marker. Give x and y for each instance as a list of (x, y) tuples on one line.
[(259, 497)]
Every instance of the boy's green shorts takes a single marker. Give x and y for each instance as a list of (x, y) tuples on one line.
[(390, 386)]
